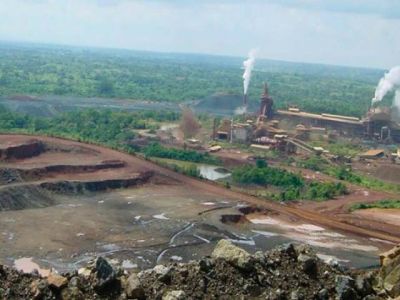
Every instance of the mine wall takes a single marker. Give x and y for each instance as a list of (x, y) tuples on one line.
[(27, 196), (24, 197), (38, 173), (76, 187), (29, 149)]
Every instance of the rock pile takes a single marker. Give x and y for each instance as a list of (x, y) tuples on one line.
[(287, 272)]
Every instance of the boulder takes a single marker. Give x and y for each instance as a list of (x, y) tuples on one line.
[(308, 264), (345, 288), (163, 273), (57, 281), (205, 264), (323, 294), (133, 287), (105, 275), (387, 257), (389, 274), (232, 254), (288, 249), (72, 293), (363, 285), (85, 272), (391, 282), (75, 282), (38, 288), (174, 295)]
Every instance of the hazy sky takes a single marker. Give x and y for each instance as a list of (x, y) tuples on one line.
[(345, 32)]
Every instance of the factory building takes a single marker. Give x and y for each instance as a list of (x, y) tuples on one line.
[(377, 124)]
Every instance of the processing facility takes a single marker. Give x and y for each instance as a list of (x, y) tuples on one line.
[(272, 127)]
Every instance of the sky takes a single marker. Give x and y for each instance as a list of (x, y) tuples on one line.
[(343, 32)]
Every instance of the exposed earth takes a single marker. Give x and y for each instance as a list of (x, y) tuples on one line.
[(64, 203)]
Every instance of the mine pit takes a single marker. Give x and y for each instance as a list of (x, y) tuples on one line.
[(72, 202)]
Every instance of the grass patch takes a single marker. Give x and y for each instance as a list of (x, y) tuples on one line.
[(186, 168), (345, 173), (340, 148), (157, 150), (387, 203)]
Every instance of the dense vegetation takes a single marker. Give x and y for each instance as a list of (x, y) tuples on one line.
[(106, 127), (51, 70), (189, 169), (293, 186), (378, 204), (157, 150), (99, 126)]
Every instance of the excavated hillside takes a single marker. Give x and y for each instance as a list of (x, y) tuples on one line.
[(30, 169)]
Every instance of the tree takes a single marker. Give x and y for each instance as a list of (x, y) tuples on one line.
[(189, 124), (105, 87), (261, 163)]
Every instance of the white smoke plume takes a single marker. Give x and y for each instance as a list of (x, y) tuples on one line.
[(248, 65), (390, 81), (396, 102), (241, 110)]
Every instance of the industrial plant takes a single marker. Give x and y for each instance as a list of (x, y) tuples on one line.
[(289, 130)]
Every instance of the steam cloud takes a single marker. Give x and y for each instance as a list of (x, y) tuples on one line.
[(396, 102), (240, 110), (248, 65), (390, 81)]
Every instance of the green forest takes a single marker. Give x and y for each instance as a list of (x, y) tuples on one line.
[(105, 127), (293, 186), (88, 72)]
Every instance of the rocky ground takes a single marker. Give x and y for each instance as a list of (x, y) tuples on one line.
[(287, 272)]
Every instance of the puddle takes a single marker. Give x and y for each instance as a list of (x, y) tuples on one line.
[(160, 217), (265, 233), (213, 172), (176, 258), (208, 203), (311, 234), (128, 264), (265, 221), (329, 258), (110, 247)]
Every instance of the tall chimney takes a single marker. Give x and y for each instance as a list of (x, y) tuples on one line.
[(245, 100)]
